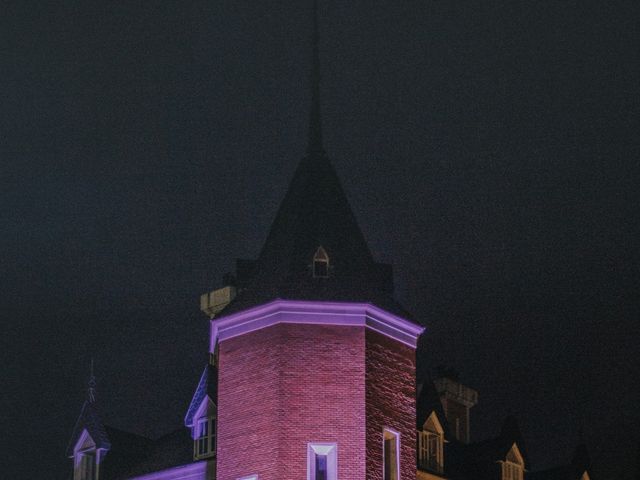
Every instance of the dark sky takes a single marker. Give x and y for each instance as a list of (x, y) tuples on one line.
[(489, 150)]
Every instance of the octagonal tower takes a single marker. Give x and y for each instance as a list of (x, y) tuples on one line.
[(315, 358)]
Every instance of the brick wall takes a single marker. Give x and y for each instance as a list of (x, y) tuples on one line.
[(390, 384), (284, 386)]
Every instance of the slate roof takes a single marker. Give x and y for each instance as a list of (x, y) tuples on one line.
[(565, 472), (133, 455), (478, 460), (315, 212), (208, 385), (580, 463), (129, 454)]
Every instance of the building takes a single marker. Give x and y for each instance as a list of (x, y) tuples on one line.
[(312, 370)]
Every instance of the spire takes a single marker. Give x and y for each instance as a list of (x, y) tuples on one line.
[(315, 124), (91, 390)]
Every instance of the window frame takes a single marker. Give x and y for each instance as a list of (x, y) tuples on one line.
[(512, 471), (208, 439), (320, 258), (394, 434), (330, 450), (431, 433), (83, 455), (427, 459)]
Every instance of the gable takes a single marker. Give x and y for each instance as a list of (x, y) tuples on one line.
[(85, 442), (206, 409), (432, 423), (514, 455)]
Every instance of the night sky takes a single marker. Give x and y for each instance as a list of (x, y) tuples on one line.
[(489, 150)]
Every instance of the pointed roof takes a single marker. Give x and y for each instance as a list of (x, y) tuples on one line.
[(89, 420), (315, 213), (207, 387)]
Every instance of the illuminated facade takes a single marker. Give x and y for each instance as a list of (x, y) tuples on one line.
[(312, 371)]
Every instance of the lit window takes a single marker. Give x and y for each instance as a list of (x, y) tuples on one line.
[(430, 451), (511, 471), (430, 445), (321, 263), (205, 439), (391, 459), (322, 461)]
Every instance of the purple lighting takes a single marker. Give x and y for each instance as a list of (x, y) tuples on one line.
[(317, 313), (190, 471)]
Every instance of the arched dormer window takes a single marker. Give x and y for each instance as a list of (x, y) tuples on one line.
[(431, 445), (320, 263), (513, 465)]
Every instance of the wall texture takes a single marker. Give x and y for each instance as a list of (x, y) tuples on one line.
[(390, 395), (285, 386)]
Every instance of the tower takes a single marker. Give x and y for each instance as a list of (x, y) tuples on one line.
[(315, 359)]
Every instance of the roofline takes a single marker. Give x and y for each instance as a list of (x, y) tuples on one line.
[(194, 470), (315, 313)]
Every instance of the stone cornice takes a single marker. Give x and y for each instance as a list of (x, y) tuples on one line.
[(314, 313)]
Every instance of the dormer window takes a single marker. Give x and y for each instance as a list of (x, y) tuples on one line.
[(320, 263), (205, 438), (85, 458), (513, 465), (430, 445), (511, 471)]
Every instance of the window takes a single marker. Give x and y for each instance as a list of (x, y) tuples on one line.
[(321, 263), (205, 439), (391, 459), (513, 465), (430, 451), (430, 445), (87, 467), (511, 471), (322, 461)]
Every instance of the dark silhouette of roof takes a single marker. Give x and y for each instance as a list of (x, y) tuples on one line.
[(580, 463), (429, 401), (315, 213), (89, 419), (133, 455), (479, 460)]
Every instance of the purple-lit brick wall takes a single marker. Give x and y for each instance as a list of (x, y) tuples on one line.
[(390, 384), (285, 386)]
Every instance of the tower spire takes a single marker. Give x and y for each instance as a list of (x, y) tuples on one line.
[(91, 390), (315, 124)]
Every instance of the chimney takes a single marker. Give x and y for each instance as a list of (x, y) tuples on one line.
[(456, 401)]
